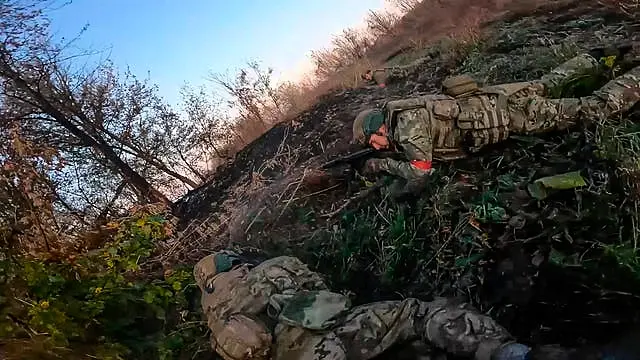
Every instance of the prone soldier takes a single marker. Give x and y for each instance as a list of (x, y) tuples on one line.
[(467, 118), (387, 75), (281, 310)]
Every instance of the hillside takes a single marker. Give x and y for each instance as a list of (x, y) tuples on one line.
[(561, 269)]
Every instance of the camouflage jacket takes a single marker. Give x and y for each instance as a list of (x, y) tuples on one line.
[(282, 310), (442, 127), (236, 302)]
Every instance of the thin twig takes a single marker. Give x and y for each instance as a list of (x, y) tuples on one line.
[(254, 219), (382, 216), (316, 193), (292, 195), (297, 183), (359, 196), (453, 234)]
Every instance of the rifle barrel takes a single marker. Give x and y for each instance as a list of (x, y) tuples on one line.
[(348, 157)]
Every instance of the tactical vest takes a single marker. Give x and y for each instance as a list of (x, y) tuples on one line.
[(483, 118), (484, 114), (478, 119), (442, 110)]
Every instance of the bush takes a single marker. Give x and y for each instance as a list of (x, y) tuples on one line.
[(98, 303)]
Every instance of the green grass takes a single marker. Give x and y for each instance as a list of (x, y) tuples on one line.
[(475, 211)]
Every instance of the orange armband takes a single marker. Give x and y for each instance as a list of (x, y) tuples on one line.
[(421, 164)]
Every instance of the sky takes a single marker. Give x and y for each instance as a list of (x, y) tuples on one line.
[(178, 41)]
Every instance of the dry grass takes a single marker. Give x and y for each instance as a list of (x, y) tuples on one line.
[(353, 52), (628, 7)]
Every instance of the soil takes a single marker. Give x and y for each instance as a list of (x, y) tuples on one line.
[(541, 268)]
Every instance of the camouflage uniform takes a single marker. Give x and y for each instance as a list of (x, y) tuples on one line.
[(282, 310), (443, 127), (387, 75)]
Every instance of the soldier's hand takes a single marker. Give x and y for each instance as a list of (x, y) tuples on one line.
[(372, 166)]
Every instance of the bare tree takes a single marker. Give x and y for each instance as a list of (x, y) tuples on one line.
[(381, 23), (254, 96), (26, 212), (405, 5), (60, 100), (346, 48)]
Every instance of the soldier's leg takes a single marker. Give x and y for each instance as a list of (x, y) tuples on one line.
[(450, 325), (581, 64), (618, 95), (537, 114)]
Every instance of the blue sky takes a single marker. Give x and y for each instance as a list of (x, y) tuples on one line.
[(183, 40)]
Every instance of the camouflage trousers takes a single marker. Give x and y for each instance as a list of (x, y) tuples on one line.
[(537, 114), (556, 79), (282, 310), (367, 331)]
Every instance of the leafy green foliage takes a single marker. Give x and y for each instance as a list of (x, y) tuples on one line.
[(101, 299), (487, 208), (389, 246)]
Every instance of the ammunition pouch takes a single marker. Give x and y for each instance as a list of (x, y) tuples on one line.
[(459, 85), (483, 119)]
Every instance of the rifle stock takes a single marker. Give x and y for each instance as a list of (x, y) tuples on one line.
[(359, 155)]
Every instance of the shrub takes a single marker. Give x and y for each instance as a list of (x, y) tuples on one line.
[(99, 303)]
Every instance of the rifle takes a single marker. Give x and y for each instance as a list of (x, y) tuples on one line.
[(349, 158), (357, 157)]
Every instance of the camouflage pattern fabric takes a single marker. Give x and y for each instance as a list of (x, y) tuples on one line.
[(235, 302), (439, 127), (391, 74), (282, 310), (557, 78), (313, 310), (536, 114)]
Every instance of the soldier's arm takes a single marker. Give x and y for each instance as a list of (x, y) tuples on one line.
[(413, 135), (402, 169), (414, 138)]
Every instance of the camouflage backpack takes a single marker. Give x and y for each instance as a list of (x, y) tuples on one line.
[(459, 85)]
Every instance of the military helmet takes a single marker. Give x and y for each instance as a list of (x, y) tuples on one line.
[(459, 84), (214, 264), (367, 122)]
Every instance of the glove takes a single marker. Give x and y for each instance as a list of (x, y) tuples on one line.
[(372, 166)]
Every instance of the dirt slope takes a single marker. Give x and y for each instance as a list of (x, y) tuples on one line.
[(551, 271)]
